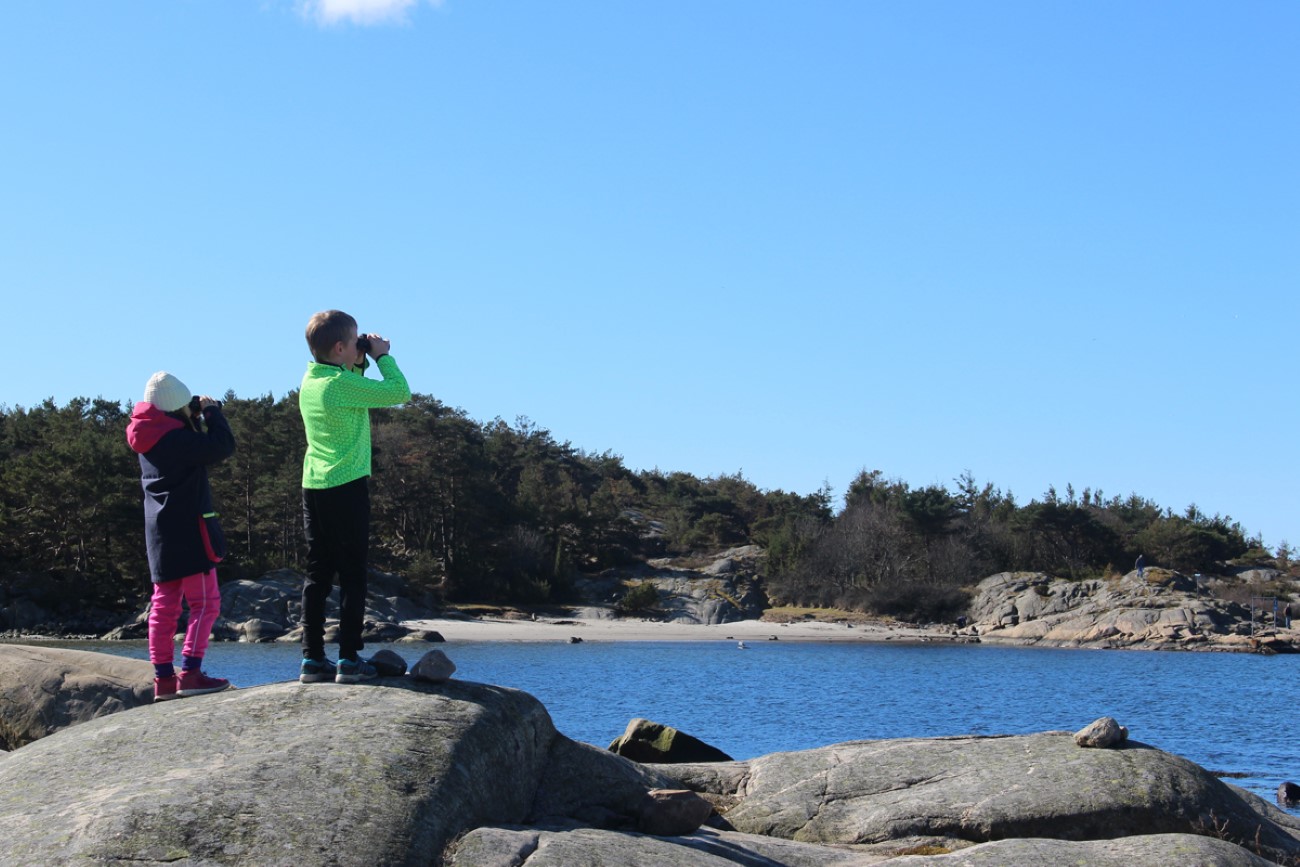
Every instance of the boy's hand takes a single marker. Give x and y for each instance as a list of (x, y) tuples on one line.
[(378, 346), (205, 402)]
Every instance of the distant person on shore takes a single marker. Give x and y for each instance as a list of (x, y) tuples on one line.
[(1286, 615), (335, 402), (1141, 566), (182, 533)]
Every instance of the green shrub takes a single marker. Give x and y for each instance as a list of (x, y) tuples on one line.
[(640, 598)]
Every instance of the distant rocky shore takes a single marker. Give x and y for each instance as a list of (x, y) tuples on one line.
[(411, 771), (1161, 610)]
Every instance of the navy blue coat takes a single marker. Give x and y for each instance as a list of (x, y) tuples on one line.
[(174, 461)]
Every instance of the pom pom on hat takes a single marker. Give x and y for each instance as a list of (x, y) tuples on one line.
[(166, 392)]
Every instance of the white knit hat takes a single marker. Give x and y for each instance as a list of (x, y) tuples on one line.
[(166, 392)]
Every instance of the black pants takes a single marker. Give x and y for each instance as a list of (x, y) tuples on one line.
[(336, 522)]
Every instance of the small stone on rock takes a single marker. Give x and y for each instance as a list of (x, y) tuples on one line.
[(388, 663), (435, 667), (1101, 734)]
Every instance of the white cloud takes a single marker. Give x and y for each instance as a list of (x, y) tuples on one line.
[(363, 12)]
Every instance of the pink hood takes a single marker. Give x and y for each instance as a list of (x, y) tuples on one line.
[(148, 425)]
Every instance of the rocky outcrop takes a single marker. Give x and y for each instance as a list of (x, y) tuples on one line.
[(45, 689), (305, 774), (401, 771), (1165, 610), (980, 789), (722, 588)]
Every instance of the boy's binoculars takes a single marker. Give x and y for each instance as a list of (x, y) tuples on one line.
[(363, 344)]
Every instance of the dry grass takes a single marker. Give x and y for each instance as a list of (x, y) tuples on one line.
[(925, 850), (795, 613)]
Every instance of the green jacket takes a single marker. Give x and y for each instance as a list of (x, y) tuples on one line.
[(335, 404)]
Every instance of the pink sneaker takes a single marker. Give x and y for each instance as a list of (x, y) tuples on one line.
[(164, 688), (197, 683)]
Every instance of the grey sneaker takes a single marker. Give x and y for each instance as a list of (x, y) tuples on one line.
[(354, 670), (316, 671)]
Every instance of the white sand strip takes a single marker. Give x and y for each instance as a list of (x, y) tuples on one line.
[(628, 629)]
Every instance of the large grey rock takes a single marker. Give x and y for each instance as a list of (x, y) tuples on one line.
[(983, 789), (293, 774), (45, 689)]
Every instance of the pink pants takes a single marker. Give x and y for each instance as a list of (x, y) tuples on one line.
[(204, 599)]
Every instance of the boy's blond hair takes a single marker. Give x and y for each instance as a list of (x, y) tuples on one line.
[(326, 329)]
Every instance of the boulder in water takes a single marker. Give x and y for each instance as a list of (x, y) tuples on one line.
[(646, 741)]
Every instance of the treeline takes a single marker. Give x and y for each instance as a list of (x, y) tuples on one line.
[(469, 510), (909, 551), (507, 513)]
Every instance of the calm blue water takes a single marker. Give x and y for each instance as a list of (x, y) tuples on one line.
[(1227, 712)]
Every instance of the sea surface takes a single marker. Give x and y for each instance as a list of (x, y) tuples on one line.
[(1231, 713)]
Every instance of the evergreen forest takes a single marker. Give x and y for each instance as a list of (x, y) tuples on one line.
[(509, 514)]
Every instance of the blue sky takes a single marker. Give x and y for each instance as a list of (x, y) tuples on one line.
[(1046, 242)]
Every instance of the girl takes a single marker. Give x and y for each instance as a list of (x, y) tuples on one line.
[(181, 529)]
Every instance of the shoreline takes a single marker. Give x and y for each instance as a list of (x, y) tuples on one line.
[(564, 629), (580, 629)]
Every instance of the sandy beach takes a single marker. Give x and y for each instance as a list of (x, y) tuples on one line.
[(632, 629)]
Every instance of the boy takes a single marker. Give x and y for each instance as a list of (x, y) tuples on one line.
[(335, 402)]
